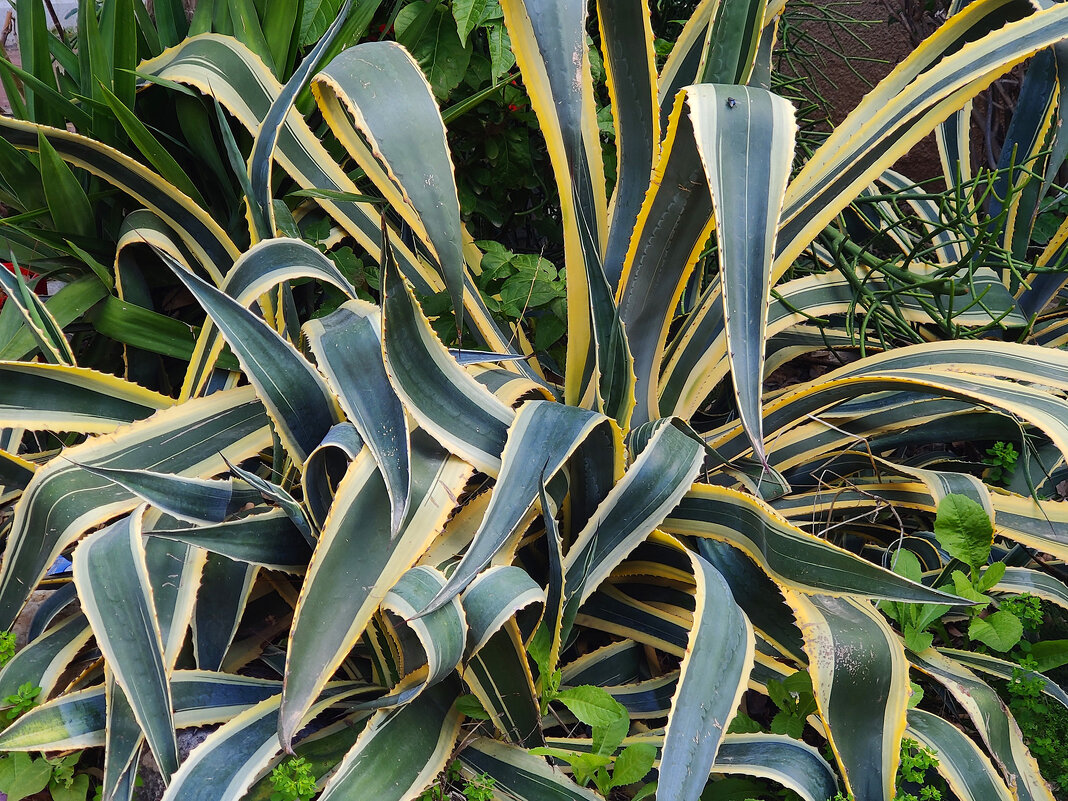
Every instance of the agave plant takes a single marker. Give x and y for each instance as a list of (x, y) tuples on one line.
[(332, 548)]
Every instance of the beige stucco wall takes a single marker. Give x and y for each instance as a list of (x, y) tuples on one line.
[(883, 44)]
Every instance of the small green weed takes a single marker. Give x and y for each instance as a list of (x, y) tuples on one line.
[(1001, 458), (965, 531), (480, 788), (23, 775), (7, 647), (916, 762), (23, 700), (795, 700), (1044, 726), (609, 723), (293, 780), (452, 781), (1026, 607)]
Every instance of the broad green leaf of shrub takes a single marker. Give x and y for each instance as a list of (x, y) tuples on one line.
[(917, 640), (906, 564), (502, 58), (592, 705), (1049, 654), (77, 790), (318, 14), (430, 36), (1001, 630), (520, 292), (549, 329), (633, 764), (467, 13), (22, 776), (991, 576), (964, 530), (471, 707), (606, 739), (963, 586)]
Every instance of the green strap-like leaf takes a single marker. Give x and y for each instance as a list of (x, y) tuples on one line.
[(553, 614), (747, 188), (400, 752), (322, 749), (269, 539), (1004, 669), (62, 501), (782, 759), (442, 634), (45, 658), (174, 570), (116, 595), (499, 676), (50, 608), (787, 554), (122, 735), (222, 68), (757, 595), (1042, 525), (684, 62), (1023, 156), (860, 680), (611, 610), (224, 590), (711, 683), (992, 719), (325, 467), (549, 42), (211, 246), (294, 393), (151, 147), (378, 90), (652, 487), (966, 769), (223, 767), (670, 232), (542, 438), (521, 774), (1005, 360), (261, 160), (196, 500), (493, 597), (1042, 409), (618, 663), (15, 472), (732, 41), (77, 720), (443, 397), (348, 350), (497, 670), (630, 71), (57, 398), (268, 489), (39, 320), (67, 202), (34, 52), (340, 594), (903, 108), (261, 268)]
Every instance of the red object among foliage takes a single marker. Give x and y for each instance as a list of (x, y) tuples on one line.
[(40, 288)]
